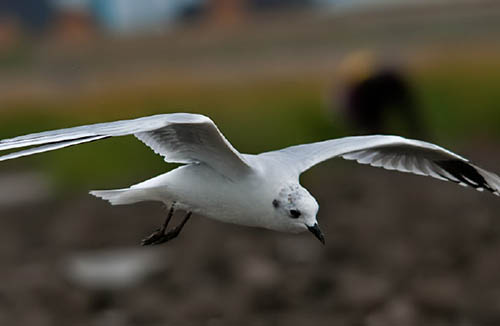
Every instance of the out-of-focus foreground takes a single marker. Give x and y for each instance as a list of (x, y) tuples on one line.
[(401, 249)]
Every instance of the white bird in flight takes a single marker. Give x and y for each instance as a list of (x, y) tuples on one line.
[(260, 190)]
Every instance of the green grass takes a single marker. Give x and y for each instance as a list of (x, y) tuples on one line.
[(461, 102)]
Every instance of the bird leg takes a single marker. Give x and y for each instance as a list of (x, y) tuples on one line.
[(159, 236), (161, 231)]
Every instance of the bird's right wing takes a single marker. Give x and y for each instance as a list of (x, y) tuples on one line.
[(392, 153), (178, 137)]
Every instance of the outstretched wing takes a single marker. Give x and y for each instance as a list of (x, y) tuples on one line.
[(178, 137), (392, 153)]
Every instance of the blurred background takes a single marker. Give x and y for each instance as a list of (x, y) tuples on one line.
[(401, 249)]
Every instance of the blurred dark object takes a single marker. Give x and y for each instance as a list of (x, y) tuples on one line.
[(226, 12), (231, 12), (279, 4), (378, 98), (32, 15), (192, 12), (74, 26)]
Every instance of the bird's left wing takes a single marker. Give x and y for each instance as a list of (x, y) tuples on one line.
[(179, 137), (392, 153)]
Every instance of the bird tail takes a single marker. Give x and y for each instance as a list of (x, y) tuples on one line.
[(123, 196)]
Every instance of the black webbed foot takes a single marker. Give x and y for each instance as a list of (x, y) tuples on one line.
[(153, 238), (159, 236)]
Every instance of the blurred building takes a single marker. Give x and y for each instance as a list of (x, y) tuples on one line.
[(33, 15), (80, 18), (354, 5), (225, 12), (73, 22), (18, 17), (133, 17)]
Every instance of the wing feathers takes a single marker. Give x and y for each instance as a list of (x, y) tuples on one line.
[(50, 147), (391, 153), (116, 128), (454, 170), (179, 137), (468, 174)]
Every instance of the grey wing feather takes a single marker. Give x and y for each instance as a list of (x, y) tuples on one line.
[(49, 147), (179, 137), (392, 153)]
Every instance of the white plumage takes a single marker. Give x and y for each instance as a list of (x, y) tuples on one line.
[(256, 190)]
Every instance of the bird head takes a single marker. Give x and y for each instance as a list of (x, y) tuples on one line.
[(296, 210)]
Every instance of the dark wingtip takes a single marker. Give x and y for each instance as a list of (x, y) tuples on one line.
[(466, 174)]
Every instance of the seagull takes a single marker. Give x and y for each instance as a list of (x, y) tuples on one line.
[(261, 190)]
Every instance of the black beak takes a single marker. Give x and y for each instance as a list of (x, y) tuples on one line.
[(317, 232)]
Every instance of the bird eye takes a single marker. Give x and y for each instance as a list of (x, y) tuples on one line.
[(295, 213), (276, 203)]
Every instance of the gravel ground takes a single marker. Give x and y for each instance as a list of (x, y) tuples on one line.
[(401, 250)]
